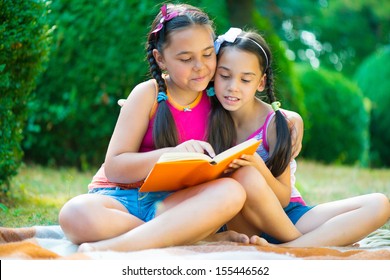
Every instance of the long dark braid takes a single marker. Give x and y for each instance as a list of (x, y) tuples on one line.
[(164, 130), (280, 158)]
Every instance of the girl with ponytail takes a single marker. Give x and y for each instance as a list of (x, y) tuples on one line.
[(274, 208)]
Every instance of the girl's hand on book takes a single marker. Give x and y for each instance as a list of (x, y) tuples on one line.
[(245, 160), (195, 146)]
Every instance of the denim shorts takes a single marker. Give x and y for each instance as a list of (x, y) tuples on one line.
[(294, 210), (139, 204)]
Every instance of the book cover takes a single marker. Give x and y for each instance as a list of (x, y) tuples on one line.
[(175, 171)]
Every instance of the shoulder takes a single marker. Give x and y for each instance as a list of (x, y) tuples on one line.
[(143, 96), (295, 123), (144, 90), (293, 117)]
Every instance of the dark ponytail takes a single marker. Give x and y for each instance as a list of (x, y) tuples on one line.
[(281, 156), (164, 130)]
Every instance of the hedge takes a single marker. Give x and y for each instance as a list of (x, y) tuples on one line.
[(373, 79), (24, 47), (336, 126)]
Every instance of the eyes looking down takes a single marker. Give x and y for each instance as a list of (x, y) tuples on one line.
[(193, 49), (192, 46), (238, 68)]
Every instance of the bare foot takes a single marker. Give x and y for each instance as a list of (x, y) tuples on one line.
[(85, 247), (257, 240), (229, 235)]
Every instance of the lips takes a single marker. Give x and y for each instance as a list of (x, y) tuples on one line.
[(231, 98), (199, 79)]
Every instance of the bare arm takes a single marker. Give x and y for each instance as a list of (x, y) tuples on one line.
[(124, 163), (281, 185)]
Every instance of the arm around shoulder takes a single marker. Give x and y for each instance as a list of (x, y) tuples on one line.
[(296, 125)]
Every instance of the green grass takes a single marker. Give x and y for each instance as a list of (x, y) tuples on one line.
[(37, 193)]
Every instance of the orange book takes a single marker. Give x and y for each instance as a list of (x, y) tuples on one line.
[(174, 171)]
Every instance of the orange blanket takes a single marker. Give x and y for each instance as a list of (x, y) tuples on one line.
[(48, 242)]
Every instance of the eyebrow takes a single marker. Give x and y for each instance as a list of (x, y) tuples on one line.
[(187, 52), (244, 73)]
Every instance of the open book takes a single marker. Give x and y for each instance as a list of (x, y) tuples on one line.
[(174, 171)]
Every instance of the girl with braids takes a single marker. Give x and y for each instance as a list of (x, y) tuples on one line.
[(167, 113), (244, 69)]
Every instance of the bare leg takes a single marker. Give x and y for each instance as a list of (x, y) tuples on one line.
[(262, 211), (343, 222), (93, 217), (185, 217)]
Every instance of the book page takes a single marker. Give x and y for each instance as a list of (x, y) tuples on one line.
[(234, 150), (169, 157)]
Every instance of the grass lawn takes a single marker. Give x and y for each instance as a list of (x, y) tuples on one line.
[(37, 193)]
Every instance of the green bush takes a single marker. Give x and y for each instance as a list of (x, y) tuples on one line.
[(373, 79), (97, 57), (336, 127), (24, 46)]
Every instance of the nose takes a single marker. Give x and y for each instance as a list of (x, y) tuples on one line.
[(198, 64), (233, 85)]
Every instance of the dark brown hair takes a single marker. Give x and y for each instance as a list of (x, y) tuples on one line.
[(164, 129), (281, 156)]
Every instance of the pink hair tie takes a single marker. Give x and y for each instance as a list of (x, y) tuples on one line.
[(165, 17)]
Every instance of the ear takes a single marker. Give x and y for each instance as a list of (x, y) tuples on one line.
[(159, 59), (262, 83)]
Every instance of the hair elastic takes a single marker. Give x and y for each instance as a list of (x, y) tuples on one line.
[(165, 17), (210, 91), (161, 96), (276, 105)]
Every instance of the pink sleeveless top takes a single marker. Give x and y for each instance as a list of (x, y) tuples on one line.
[(191, 123)]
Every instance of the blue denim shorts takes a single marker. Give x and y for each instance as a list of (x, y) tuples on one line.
[(294, 211), (139, 204)]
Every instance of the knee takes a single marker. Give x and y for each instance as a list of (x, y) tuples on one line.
[(69, 211), (251, 180), (381, 205), (72, 219), (231, 193)]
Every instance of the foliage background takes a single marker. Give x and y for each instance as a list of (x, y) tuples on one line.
[(24, 48), (97, 56)]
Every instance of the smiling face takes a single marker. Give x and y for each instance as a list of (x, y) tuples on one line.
[(189, 58), (237, 78)]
